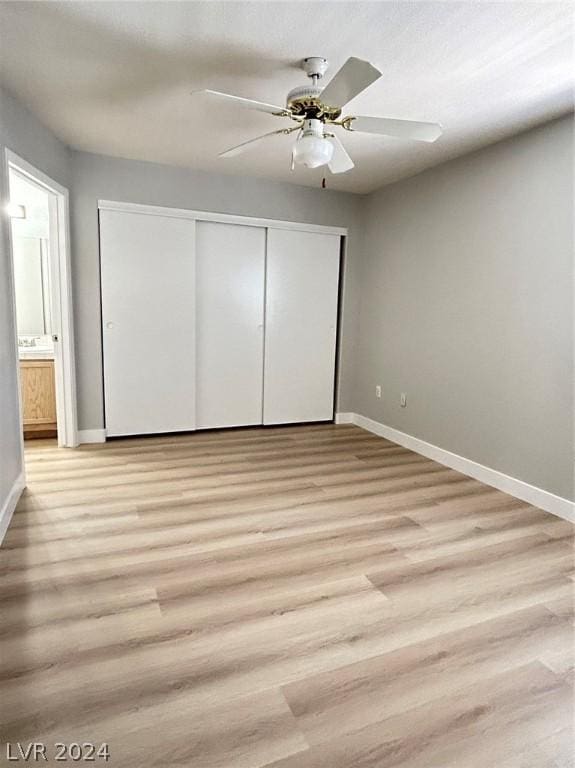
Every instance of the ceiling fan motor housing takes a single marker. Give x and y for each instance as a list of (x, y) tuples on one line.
[(305, 101)]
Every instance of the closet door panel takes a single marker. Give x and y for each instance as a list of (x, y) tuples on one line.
[(230, 272), (148, 322), (301, 325)]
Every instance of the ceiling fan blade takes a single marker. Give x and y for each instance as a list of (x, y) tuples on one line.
[(402, 129), (353, 78), (237, 150), (297, 138), (260, 106), (340, 161)]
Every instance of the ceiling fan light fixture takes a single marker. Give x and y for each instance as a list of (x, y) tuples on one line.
[(313, 149), (313, 109)]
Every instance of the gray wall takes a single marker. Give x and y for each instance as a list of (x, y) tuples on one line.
[(101, 177), (21, 132), (467, 306)]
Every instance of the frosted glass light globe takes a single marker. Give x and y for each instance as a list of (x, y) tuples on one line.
[(313, 151)]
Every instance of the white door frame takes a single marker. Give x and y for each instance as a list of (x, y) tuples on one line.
[(61, 296), (222, 218)]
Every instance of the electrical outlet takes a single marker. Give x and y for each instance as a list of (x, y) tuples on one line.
[(377, 390), (403, 399)]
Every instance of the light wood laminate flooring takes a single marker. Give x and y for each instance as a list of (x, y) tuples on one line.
[(295, 597)]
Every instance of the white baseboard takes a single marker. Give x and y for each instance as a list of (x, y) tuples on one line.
[(557, 505), (91, 436), (344, 418), (10, 504)]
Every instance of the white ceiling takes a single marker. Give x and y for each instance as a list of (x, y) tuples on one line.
[(115, 78)]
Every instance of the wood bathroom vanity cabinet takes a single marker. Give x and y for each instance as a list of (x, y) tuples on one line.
[(38, 398)]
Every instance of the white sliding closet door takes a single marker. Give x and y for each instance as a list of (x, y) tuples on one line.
[(301, 322), (230, 274), (148, 321)]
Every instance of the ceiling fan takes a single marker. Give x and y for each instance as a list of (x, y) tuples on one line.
[(315, 110)]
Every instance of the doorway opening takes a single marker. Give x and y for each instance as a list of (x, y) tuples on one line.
[(38, 212)]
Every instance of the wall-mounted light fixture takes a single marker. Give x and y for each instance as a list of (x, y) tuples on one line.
[(15, 210)]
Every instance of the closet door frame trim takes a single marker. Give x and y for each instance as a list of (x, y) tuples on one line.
[(223, 218)]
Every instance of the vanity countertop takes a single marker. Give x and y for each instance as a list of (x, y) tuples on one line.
[(35, 353)]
